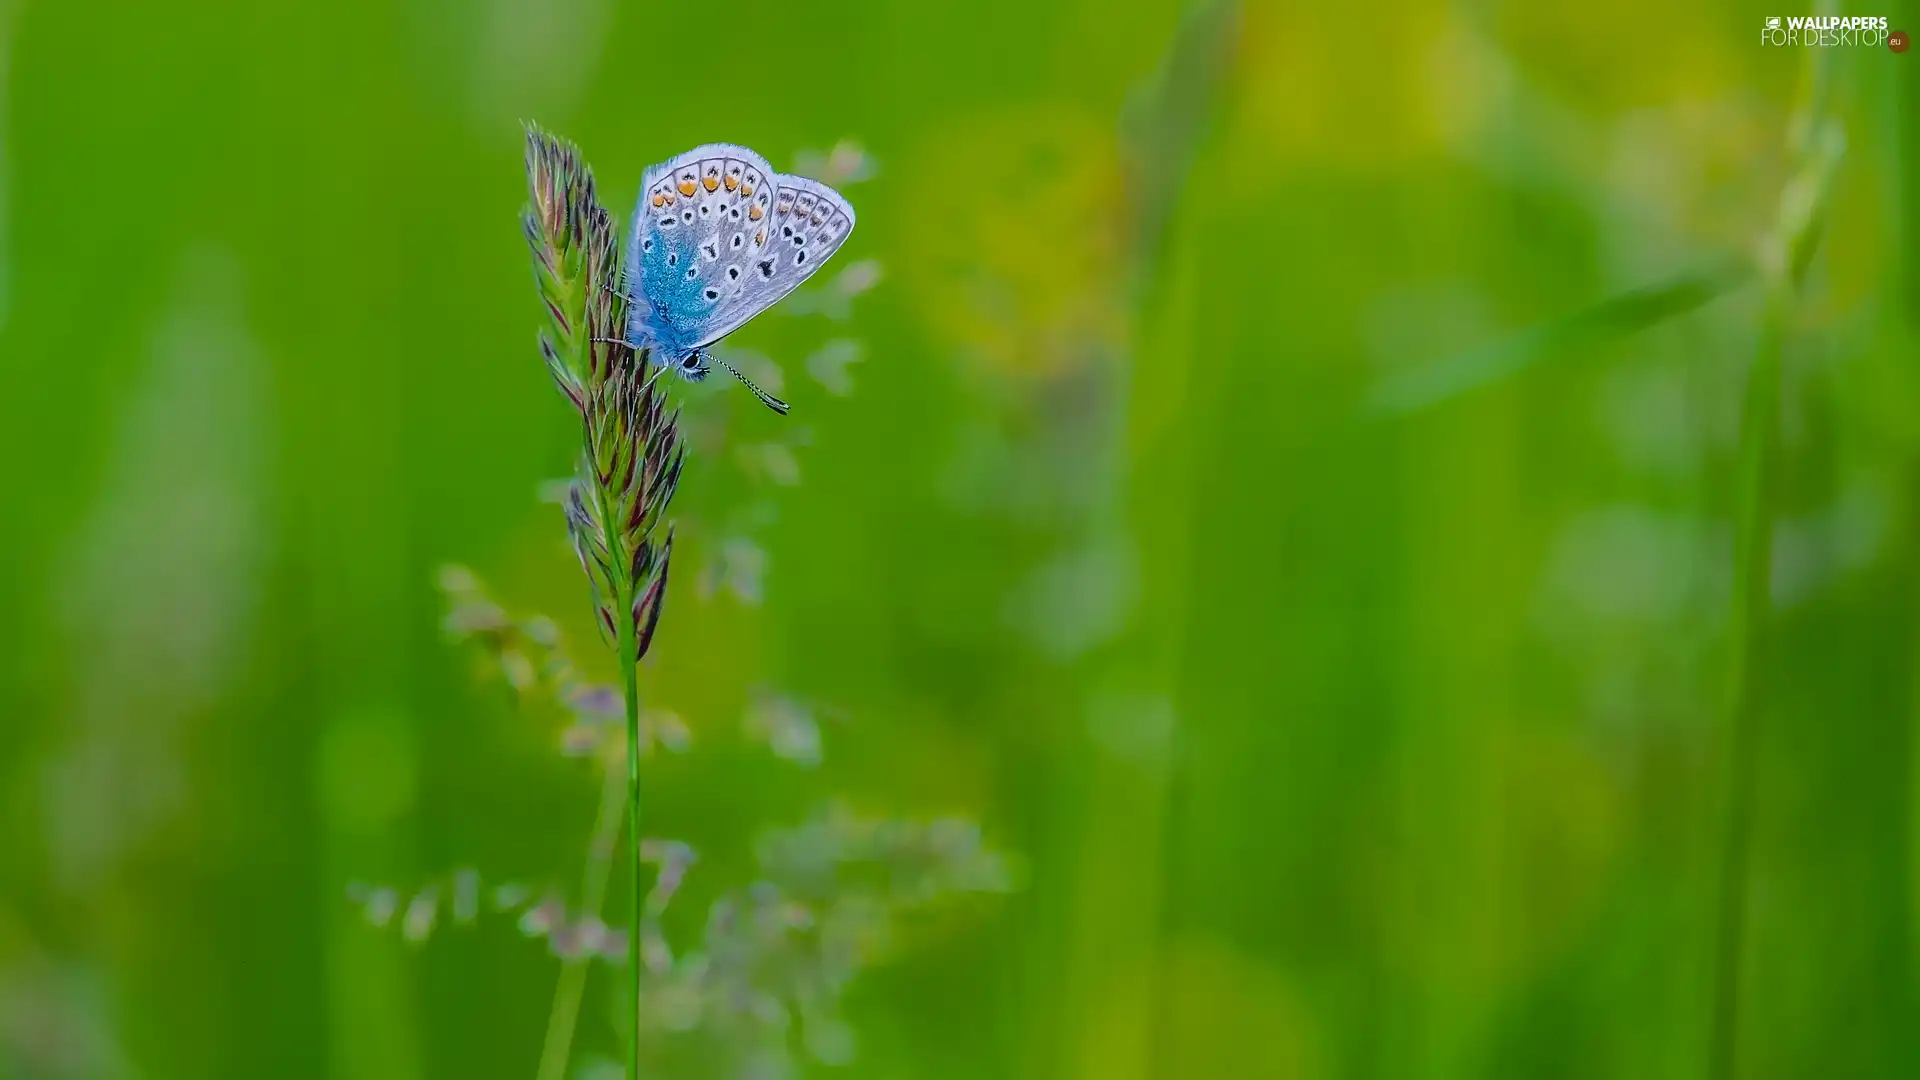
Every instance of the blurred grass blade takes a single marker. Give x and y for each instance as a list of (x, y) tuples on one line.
[(1165, 120), (1786, 257), (1610, 319)]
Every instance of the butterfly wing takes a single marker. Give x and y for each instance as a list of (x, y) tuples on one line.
[(720, 237), (688, 230), (805, 223)]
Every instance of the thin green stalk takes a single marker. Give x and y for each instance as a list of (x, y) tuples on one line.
[(629, 650), (1753, 559), (630, 673), (631, 450), (565, 1015), (1796, 235)]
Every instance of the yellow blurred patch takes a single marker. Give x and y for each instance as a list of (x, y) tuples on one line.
[(1632, 54), (1219, 1014), (1516, 871), (1317, 85), (1020, 267)]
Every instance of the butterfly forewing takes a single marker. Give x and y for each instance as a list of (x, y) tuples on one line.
[(719, 238), (691, 241)]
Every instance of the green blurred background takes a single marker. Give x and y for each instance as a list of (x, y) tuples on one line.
[(1287, 494)]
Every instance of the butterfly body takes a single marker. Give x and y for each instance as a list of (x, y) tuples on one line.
[(719, 237)]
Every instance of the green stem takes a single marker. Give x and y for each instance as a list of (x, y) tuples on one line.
[(1753, 561), (1797, 235), (630, 674), (629, 648), (565, 1016)]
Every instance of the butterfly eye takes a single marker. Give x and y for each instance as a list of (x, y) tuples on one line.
[(691, 362)]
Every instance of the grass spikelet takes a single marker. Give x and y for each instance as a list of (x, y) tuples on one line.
[(631, 454)]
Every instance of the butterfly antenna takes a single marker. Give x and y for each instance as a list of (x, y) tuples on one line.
[(766, 399)]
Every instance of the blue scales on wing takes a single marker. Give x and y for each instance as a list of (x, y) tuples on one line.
[(719, 237)]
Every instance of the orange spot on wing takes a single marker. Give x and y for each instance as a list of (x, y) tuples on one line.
[(659, 199), (760, 237), (733, 183), (756, 213), (688, 187), (746, 189), (711, 182)]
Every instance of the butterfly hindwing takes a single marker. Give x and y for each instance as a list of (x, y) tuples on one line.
[(805, 224), (720, 237)]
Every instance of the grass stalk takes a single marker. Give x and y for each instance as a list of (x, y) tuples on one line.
[(572, 985), (1753, 558), (630, 690), (1784, 260), (631, 451)]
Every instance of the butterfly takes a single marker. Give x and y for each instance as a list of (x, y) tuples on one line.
[(719, 237)]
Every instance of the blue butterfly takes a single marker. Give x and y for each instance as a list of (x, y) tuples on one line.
[(719, 237)]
